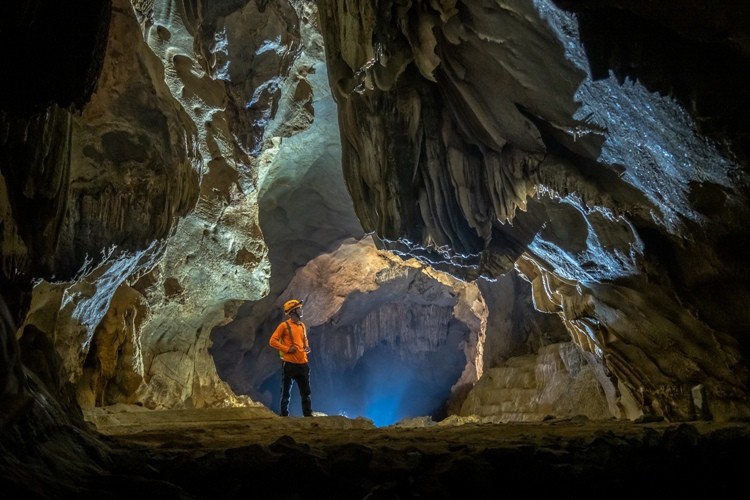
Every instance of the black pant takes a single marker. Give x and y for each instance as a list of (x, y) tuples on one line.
[(300, 373)]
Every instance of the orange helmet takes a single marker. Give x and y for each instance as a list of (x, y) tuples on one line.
[(291, 305)]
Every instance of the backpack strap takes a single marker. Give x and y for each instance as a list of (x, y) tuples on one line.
[(304, 337), (289, 332)]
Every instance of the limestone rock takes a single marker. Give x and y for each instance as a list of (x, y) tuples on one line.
[(556, 381), (584, 158), (483, 136)]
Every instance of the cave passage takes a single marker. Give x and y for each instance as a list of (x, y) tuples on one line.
[(385, 385)]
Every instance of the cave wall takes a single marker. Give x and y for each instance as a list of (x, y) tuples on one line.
[(490, 137), (132, 189), (174, 130)]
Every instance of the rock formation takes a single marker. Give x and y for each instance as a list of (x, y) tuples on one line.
[(487, 138), (554, 193)]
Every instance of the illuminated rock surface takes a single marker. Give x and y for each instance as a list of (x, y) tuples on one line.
[(568, 189)]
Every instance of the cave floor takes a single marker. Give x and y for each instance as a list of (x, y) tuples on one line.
[(222, 428), (240, 452)]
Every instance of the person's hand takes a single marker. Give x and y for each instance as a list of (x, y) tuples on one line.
[(292, 349)]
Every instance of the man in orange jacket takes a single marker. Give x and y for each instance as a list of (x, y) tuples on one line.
[(290, 339)]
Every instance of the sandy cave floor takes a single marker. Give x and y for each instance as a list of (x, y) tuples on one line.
[(241, 452)]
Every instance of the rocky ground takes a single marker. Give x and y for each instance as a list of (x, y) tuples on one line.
[(126, 452), (252, 453)]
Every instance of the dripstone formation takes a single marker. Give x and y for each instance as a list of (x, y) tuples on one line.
[(498, 211)]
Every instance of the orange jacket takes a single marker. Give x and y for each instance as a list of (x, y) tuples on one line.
[(280, 340)]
